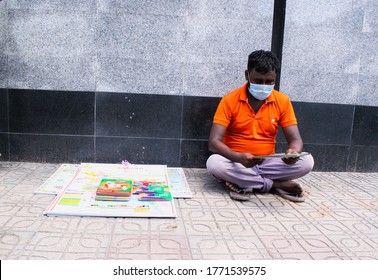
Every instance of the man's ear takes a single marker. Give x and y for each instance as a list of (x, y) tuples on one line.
[(246, 75)]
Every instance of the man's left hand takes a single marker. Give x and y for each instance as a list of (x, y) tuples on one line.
[(291, 160)]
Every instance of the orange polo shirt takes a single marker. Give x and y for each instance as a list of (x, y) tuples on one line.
[(248, 132)]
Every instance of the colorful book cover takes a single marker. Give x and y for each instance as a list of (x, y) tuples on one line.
[(155, 196), (115, 187), (150, 189)]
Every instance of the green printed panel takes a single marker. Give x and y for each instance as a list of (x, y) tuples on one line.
[(70, 199)]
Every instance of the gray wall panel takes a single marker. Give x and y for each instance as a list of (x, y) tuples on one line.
[(3, 44), (51, 32), (51, 72), (182, 47), (3, 70), (51, 49), (67, 5), (329, 52), (140, 36), (118, 74), (188, 47), (144, 7), (3, 27)]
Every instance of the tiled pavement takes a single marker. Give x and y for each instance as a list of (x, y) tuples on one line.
[(339, 220)]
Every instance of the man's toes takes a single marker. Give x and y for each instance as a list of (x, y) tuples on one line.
[(231, 186)]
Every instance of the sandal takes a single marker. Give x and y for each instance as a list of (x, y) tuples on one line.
[(294, 197), (237, 193), (240, 196)]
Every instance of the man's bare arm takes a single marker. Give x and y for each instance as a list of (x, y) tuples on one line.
[(294, 141), (217, 146)]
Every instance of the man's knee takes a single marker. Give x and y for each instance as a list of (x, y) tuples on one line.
[(307, 164), (217, 165), (212, 164)]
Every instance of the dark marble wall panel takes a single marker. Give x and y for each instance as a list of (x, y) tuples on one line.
[(329, 157), (4, 147), (326, 157), (138, 115), (138, 150), (51, 148), (164, 129), (194, 153), (352, 159), (324, 123), (280, 136), (35, 111), (365, 128), (366, 159), (4, 110), (198, 113), (281, 147), (320, 123)]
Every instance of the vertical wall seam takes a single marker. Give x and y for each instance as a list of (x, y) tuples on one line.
[(7, 43), (95, 86), (94, 127), (181, 132), (352, 165), (8, 124), (278, 30), (184, 72), (7, 79)]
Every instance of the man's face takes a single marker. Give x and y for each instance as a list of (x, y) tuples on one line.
[(255, 77)]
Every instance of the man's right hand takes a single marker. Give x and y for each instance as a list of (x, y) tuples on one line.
[(248, 160)]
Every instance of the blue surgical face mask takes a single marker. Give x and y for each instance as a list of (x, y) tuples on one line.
[(260, 92)]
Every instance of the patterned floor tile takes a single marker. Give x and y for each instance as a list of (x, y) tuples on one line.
[(88, 243), (338, 221)]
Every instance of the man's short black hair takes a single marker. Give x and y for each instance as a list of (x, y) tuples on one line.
[(263, 62)]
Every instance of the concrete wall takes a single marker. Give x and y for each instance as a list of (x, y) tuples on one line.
[(330, 51), (330, 59), (87, 56), (175, 47), (3, 44)]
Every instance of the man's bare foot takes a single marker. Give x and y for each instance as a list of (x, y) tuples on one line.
[(287, 186), (237, 193), (232, 187)]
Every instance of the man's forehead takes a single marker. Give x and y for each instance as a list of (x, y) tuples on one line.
[(255, 73)]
